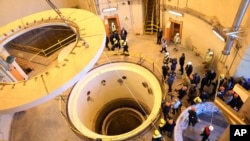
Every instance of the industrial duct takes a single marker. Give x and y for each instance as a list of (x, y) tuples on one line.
[(235, 27)]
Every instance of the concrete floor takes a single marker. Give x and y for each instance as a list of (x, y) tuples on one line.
[(45, 123)]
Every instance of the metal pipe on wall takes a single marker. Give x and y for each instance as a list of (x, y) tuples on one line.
[(238, 18)]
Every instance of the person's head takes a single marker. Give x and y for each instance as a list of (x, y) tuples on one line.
[(235, 95), (177, 34), (189, 63), (167, 103), (193, 108), (221, 88), (184, 88), (183, 54), (170, 121)]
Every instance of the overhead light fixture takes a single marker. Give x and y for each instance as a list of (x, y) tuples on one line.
[(109, 9), (175, 13), (218, 35)]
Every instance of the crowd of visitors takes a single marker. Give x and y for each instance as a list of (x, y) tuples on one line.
[(195, 85)]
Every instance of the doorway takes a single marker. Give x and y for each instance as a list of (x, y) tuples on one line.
[(108, 20), (173, 27)]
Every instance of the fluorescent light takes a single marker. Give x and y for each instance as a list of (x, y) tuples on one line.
[(175, 13), (218, 35), (109, 9)]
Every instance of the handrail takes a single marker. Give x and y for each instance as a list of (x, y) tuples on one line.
[(137, 58), (57, 48)]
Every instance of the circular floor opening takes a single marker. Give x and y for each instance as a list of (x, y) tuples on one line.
[(121, 121), (105, 105)]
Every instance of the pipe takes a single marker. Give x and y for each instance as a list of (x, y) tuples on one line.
[(239, 16)]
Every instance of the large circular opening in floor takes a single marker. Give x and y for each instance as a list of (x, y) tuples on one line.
[(116, 101), (121, 121), (120, 116)]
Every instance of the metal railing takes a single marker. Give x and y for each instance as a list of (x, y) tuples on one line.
[(60, 44)]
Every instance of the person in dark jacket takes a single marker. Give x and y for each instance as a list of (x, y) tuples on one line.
[(124, 45), (162, 126), (173, 64), (196, 79), (111, 38), (159, 36), (124, 34), (170, 80), (170, 127), (211, 75), (182, 92), (192, 116), (117, 36), (115, 44), (182, 62), (107, 43), (236, 102), (189, 68), (203, 82), (166, 107), (165, 70)]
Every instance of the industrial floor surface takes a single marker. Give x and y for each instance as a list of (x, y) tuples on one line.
[(46, 123)]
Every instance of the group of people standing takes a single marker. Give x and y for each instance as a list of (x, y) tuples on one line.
[(189, 86), (117, 40)]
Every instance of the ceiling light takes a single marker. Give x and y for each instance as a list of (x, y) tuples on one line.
[(218, 35), (175, 13), (109, 9)]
